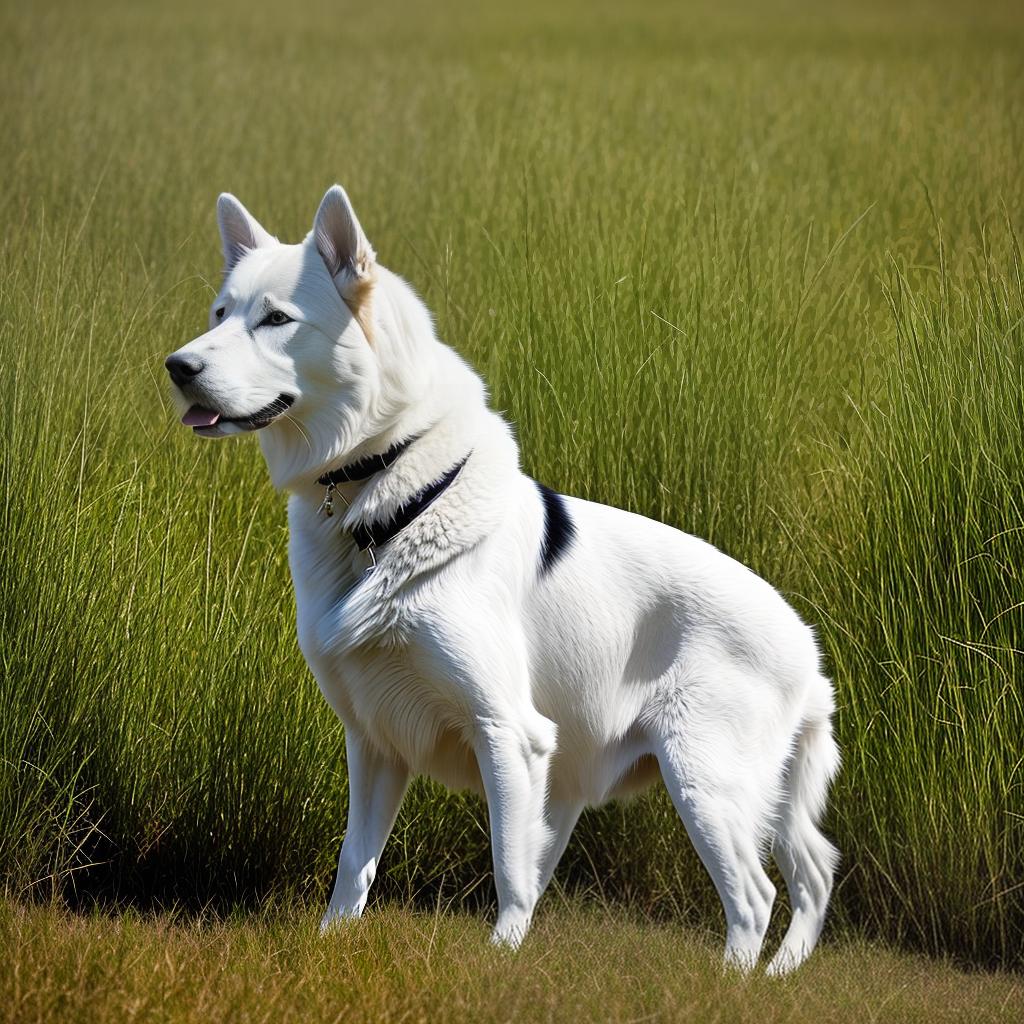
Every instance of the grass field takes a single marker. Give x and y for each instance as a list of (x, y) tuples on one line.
[(752, 269), (580, 964)]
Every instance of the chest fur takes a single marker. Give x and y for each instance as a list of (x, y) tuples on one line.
[(378, 684)]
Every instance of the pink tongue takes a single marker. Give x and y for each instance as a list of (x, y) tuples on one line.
[(197, 416)]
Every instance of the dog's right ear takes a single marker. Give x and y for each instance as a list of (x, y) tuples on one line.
[(240, 231)]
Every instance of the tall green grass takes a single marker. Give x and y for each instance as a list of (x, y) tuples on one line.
[(753, 271)]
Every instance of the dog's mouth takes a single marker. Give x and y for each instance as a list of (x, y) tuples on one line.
[(199, 418)]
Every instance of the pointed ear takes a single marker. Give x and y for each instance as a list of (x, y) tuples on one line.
[(340, 240), (348, 256), (240, 231)]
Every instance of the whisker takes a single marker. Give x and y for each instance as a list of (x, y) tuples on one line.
[(301, 430)]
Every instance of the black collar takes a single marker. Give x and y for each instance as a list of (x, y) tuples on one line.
[(377, 534), (365, 467)]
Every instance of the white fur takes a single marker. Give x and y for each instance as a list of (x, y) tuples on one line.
[(642, 651)]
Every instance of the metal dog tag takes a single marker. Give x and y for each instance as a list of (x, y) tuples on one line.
[(327, 505)]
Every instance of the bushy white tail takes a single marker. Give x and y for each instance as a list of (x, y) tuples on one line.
[(805, 857)]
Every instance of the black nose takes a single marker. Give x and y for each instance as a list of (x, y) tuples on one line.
[(183, 368)]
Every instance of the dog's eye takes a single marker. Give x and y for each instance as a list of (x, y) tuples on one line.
[(275, 318), (219, 313)]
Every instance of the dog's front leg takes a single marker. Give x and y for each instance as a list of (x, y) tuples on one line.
[(514, 757), (376, 785)]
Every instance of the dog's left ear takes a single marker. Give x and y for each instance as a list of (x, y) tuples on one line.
[(349, 257)]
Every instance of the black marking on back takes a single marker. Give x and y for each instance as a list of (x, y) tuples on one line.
[(559, 529)]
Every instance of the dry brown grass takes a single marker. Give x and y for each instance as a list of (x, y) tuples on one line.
[(580, 963)]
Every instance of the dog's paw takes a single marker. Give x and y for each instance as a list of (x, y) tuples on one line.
[(509, 934), (739, 961), (335, 921), (784, 962), (507, 941)]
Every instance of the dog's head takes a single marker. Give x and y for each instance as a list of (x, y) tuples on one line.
[(291, 348)]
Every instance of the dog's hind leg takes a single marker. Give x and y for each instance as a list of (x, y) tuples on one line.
[(376, 786), (724, 797)]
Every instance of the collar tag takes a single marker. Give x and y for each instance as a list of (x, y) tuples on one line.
[(327, 505)]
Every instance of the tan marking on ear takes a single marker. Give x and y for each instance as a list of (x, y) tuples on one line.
[(358, 296)]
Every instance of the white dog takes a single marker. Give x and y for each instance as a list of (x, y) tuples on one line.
[(468, 623)]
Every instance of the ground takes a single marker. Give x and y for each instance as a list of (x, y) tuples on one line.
[(580, 963)]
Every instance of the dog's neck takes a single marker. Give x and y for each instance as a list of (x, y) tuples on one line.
[(364, 468), (441, 434), (422, 389)]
